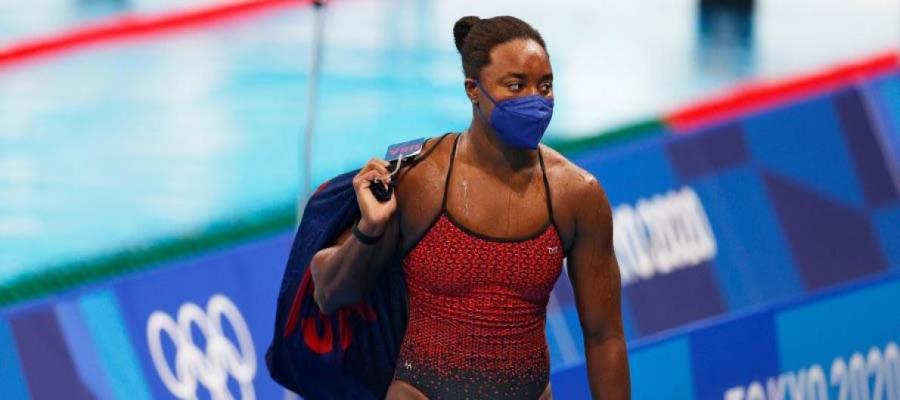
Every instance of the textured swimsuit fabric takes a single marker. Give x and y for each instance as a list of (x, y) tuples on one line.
[(477, 307)]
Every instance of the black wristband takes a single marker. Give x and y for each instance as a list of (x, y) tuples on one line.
[(362, 237)]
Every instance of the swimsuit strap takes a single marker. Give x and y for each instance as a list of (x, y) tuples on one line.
[(546, 188), (449, 171)]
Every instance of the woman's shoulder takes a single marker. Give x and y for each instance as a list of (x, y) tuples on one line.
[(568, 180), (433, 143), (562, 169), (429, 164)]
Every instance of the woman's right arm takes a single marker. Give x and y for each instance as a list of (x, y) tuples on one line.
[(341, 272)]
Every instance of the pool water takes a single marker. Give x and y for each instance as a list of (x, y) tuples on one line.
[(118, 145)]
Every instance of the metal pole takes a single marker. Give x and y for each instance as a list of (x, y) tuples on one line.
[(311, 96)]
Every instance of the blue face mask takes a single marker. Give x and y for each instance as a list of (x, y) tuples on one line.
[(520, 122)]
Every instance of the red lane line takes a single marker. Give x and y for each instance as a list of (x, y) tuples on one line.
[(758, 96), (134, 25)]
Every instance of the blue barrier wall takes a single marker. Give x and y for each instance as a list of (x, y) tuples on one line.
[(763, 209), (825, 347), (760, 209), (152, 336)]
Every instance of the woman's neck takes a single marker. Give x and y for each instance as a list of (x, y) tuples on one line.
[(484, 149)]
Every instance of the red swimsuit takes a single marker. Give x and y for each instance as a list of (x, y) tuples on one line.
[(477, 308)]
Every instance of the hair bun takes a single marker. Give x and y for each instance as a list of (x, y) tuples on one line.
[(461, 30)]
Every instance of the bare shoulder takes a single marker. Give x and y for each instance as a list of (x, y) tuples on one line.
[(426, 174), (574, 185)]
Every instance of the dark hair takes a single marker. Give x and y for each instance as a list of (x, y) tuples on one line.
[(475, 37)]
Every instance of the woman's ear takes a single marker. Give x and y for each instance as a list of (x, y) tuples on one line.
[(472, 90)]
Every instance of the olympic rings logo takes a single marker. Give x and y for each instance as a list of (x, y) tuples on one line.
[(212, 365)]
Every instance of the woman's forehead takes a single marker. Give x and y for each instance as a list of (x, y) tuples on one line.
[(523, 56)]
